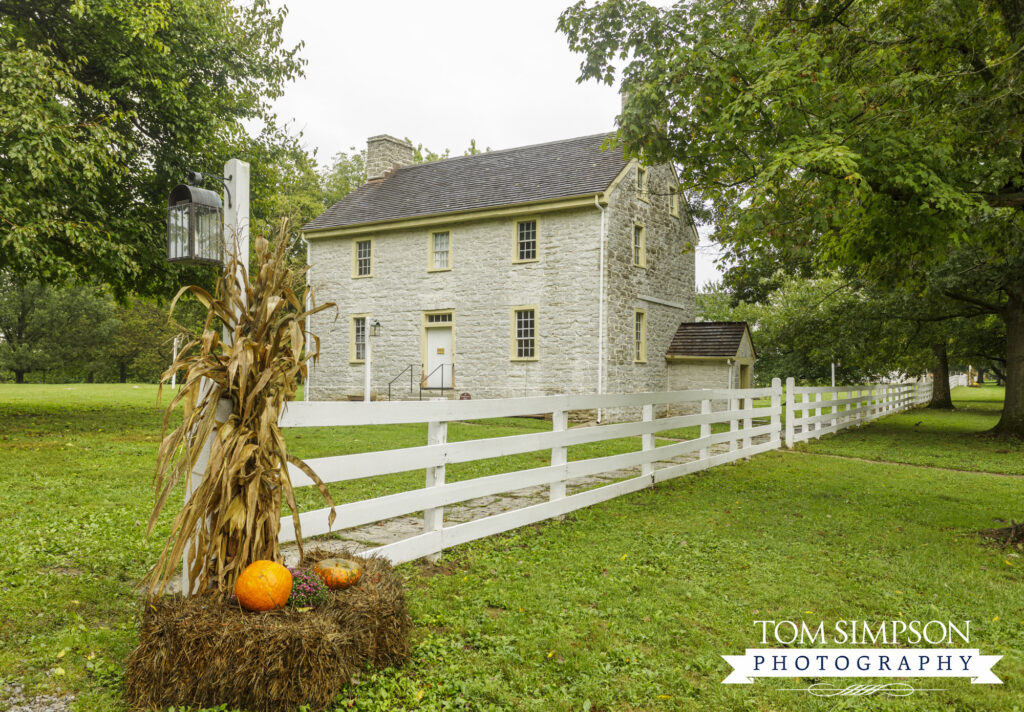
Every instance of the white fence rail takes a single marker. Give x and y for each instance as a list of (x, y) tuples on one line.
[(750, 423), (743, 438), (826, 409)]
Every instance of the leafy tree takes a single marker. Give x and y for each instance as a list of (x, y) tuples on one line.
[(141, 342), (806, 325), (873, 137), (346, 173), (20, 335), (105, 105)]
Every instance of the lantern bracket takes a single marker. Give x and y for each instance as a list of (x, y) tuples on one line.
[(195, 178)]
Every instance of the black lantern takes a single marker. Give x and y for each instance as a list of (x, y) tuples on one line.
[(375, 328), (195, 227)]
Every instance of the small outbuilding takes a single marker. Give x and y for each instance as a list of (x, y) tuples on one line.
[(711, 354)]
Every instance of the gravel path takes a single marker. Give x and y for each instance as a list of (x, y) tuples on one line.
[(12, 699)]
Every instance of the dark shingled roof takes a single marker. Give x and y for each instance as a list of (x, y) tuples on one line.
[(560, 169), (708, 339)]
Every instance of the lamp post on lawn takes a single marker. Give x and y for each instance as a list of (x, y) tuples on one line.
[(373, 328), (200, 231)]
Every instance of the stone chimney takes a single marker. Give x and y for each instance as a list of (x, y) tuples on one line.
[(386, 153)]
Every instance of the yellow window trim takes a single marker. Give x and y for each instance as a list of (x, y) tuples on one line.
[(430, 250), (673, 204), (515, 239), (643, 245), (352, 336), (355, 258), (512, 333), (643, 336), (424, 325), (643, 182)]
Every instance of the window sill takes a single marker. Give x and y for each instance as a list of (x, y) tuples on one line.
[(353, 362), (525, 262), (439, 269), (516, 358), (362, 276)]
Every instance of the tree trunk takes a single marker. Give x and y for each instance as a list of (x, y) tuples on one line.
[(19, 376), (123, 370), (940, 383), (1011, 424)]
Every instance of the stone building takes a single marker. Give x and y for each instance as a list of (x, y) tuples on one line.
[(554, 268), (710, 354)]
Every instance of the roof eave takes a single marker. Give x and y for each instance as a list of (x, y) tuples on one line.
[(734, 357), (508, 210)]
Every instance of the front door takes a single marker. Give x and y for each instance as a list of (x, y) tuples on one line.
[(440, 359)]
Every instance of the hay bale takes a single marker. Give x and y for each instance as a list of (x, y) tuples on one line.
[(201, 652)]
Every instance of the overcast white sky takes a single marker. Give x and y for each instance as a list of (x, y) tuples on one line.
[(442, 73)]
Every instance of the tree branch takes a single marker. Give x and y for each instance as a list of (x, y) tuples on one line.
[(988, 307)]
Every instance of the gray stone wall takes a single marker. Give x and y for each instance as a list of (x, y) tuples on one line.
[(668, 276), (383, 153), (482, 287), (485, 283), (692, 375)]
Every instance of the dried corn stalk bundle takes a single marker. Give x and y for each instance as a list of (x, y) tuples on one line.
[(233, 516)]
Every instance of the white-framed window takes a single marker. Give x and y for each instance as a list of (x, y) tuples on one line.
[(639, 245), (639, 336), (524, 333), (357, 346), (442, 318), (526, 240), (363, 258), (440, 250)]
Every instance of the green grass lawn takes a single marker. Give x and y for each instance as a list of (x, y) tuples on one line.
[(624, 606), (932, 437)]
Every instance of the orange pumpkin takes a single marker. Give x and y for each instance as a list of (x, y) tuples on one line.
[(263, 586), (338, 573)]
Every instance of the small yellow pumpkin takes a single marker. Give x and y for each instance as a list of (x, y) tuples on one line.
[(338, 573)]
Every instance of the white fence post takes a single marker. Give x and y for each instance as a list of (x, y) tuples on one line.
[(790, 411), (776, 417), (705, 428), (734, 424), (433, 519), (748, 421), (647, 443), (559, 454)]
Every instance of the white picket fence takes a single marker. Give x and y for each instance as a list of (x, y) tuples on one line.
[(753, 417)]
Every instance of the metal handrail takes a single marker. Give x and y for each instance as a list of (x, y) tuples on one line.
[(401, 373), (440, 367)]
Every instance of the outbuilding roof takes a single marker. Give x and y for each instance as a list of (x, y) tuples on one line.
[(543, 171), (709, 339)]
